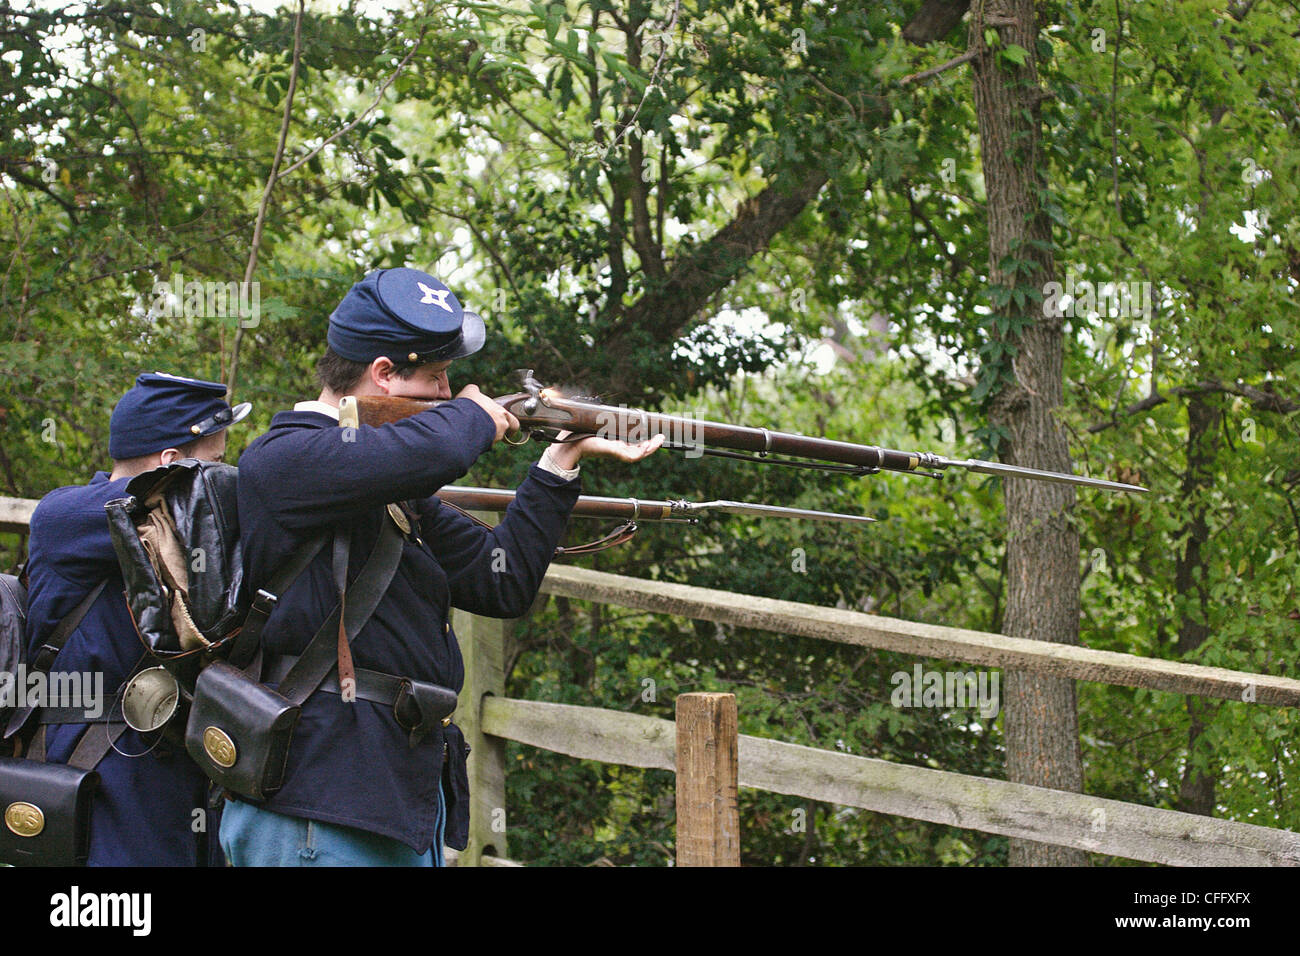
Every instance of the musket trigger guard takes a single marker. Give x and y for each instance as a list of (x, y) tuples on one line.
[(523, 441)]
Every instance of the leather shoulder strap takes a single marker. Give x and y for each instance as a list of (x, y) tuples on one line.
[(364, 596), (50, 650), (249, 638), (95, 744), (342, 551), (63, 630)]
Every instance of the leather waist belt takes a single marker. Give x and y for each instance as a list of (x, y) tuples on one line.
[(417, 705), (71, 715)]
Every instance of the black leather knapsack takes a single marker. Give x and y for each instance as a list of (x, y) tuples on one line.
[(176, 534)]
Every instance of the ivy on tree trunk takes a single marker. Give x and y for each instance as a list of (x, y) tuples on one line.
[(1023, 375)]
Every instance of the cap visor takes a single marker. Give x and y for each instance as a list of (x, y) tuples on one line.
[(473, 333), (239, 413)]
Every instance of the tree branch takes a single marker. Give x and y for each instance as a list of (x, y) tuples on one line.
[(1114, 97), (664, 311), (942, 67), (16, 176), (1263, 399), (642, 235), (266, 193), (379, 97)]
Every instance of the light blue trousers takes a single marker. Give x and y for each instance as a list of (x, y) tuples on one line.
[(251, 836)]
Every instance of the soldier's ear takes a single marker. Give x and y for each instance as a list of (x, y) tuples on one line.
[(381, 373), (169, 455)]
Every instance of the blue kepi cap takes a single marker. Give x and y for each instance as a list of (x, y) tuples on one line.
[(406, 315), (167, 411)]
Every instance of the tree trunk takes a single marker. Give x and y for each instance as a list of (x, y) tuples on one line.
[(1190, 579), (1041, 724)]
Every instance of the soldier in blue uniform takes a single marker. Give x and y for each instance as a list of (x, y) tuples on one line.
[(150, 809), (358, 790)]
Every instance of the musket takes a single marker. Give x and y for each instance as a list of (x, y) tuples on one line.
[(543, 410), (639, 509), (630, 510)]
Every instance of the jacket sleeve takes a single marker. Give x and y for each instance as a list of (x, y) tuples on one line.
[(309, 476), (69, 552), (497, 572)]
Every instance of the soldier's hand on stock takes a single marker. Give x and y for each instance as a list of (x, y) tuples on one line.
[(504, 421)]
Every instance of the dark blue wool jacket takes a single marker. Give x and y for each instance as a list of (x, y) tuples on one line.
[(350, 762), (146, 810)]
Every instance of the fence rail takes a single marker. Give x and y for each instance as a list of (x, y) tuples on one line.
[(16, 514), (921, 640)]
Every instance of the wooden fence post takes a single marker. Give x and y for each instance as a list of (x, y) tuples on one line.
[(708, 819), (482, 644)]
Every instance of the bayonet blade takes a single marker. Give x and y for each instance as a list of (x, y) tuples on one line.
[(1016, 471)]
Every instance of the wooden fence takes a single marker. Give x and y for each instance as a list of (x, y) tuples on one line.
[(706, 798)]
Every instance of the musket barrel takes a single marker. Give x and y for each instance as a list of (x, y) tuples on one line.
[(631, 424)]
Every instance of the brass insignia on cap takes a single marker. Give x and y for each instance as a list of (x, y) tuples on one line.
[(219, 746), (195, 429), (399, 518), (24, 819), (413, 357)]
